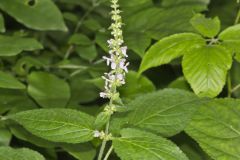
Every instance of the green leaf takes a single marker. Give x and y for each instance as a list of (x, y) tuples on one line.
[(180, 83), (10, 82), (48, 90), (80, 151), (208, 27), (57, 125), (216, 128), (231, 38), (11, 46), (137, 42), (87, 52), (6, 137), (205, 68), (79, 39), (2, 25), (32, 15), (237, 57), (135, 144), (102, 119), (136, 85), (162, 111), (169, 48), (21, 133), (7, 153)]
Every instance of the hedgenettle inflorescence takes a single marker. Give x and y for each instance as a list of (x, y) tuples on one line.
[(117, 56), (118, 63)]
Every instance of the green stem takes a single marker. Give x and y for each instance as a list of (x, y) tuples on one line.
[(229, 81), (229, 85), (236, 88), (103, 143), (79, 24), (108, 153)]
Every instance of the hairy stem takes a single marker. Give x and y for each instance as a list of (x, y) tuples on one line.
[(104, 142)]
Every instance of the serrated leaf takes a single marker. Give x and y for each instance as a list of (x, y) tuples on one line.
[(32, 15), (135, 144), (205, 68), (10, 82), (7, 153), (169, 48), (164, 112), (48, 90), (231, 38), (2, 25), (206, 26), (57, 125), (216, 128), (11, 46)]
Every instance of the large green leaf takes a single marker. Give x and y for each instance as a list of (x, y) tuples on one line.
[(48, 90), (169, 48), (8, 81), (80, 151), (231, 38), (11, 46), (31, 15), (2, 25), (58, 125), (206, 26), (205, 68), (216, 128), (21, 133), (7, 153), (165, 112), (135, 145)]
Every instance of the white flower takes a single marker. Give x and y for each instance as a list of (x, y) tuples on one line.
[(118, 53), (96, 134)]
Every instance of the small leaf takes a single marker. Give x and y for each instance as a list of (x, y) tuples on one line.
[(216, 128), (2, 25), (162, 111), (8, 81), (137, 42), (101, 120), (48, 90), (11, 46), (135, 145), (208, 27), (6, 137), (79, 39), (231, 38), (7, 153), (205, 68), (169, 48), (57, 125), (87, 52), (32, 15), (136, 85)]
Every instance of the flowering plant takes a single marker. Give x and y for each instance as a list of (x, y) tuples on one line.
[(67, 91)]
